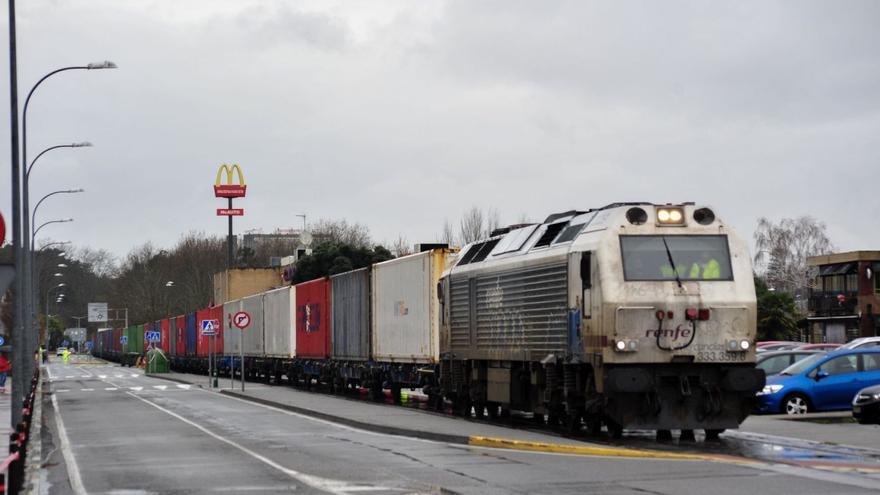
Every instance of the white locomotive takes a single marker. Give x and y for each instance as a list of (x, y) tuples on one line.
[(634, 315)]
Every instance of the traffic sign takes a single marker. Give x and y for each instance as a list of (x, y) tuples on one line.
[(123, 340), (210, 327), (152, 336), (2, 340), (97, 312), (241, 319)]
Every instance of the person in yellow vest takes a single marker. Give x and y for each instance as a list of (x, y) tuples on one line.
[(706, 269), (65, 356)]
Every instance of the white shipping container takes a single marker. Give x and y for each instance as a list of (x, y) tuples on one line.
[(254, 344), (406, 309), (279, 311)]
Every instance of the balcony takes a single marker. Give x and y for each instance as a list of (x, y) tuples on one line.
[(826, 304)]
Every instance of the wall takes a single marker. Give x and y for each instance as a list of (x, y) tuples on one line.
[(244, 282)]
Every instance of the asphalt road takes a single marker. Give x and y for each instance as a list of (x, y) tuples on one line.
[(122, 432)]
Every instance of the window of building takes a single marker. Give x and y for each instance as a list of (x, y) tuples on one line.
[(852, 282)]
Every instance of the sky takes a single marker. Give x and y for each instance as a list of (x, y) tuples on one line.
[(400, 114)]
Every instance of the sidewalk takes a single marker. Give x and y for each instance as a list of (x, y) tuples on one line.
[(841, 434)]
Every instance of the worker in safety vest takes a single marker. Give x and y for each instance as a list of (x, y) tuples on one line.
[(65, 356), (707, 268)]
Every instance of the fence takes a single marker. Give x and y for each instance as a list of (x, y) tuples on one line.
[(12, 468)]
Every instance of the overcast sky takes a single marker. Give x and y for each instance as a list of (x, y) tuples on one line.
[(398, 115)]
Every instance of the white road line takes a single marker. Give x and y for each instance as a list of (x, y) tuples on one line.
[(163, 387), (135, 375), (66, 390), (91, 389), (105, 376), (138, 389), (114, 388), (185, 387), (119, 375), (72, 469), (333, 486), (71, 376)]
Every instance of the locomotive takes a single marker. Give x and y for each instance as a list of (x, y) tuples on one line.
[(633, 315)]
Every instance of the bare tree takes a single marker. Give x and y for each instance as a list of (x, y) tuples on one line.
[(401, 246), (493, 221), (448, 235), (340, 231), (472, 225), (783, 249)]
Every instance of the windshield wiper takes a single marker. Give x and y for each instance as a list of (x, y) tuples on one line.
[(671, 262)]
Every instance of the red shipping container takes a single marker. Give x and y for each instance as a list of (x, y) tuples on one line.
[(204, 343), (180, 337), (116, 339), (313, 319), (165, 330)]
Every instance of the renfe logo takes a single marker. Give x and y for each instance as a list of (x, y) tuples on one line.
[(671, 333)]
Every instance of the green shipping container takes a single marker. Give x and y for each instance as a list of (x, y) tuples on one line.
[(135, 343)]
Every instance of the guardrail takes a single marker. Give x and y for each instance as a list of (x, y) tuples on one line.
[(12, 468)]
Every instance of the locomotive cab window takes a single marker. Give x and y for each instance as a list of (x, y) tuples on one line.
[(675, 257)]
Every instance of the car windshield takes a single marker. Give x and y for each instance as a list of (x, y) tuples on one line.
[(662, 257), (803, 365)]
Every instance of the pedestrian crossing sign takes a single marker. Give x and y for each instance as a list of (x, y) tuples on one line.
[(210, 327)]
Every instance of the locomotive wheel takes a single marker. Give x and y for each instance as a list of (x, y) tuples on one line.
[(479, 409), (492, 408), (712, 434), (615, 430), (594, 426)]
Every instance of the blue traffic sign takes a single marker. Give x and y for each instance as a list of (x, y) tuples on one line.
[(152, 336), (123, 340), (2, 340), (210, 327)]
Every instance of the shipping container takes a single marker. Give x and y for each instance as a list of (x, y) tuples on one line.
[(207, 344), (172, 335), (313, 319), (350, 325), (134, 340), (279, 325), (102, 341), (116, 340), (165, 330), (180, 335), (192, 330), (405, 307), (254, 343)]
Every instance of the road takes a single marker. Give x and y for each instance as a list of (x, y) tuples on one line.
[(113, 430)]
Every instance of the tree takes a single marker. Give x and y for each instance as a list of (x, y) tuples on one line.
[(341, 232), (330, 258), (448, 235), (401, 246), (476, 224), (778, 315), (782, 250)]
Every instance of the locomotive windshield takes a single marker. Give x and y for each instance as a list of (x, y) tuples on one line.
[(675, 257)]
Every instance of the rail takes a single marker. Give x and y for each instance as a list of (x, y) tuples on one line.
[(13, 466)]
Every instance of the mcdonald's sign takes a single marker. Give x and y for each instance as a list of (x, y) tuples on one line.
[(229, 189)]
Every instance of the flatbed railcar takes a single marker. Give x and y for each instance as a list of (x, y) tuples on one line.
[(634, 315)]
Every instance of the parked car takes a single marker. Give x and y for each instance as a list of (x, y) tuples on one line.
[(818, 347), (772, 362), (822, 382), (59, 351), (776, 345), (866, 405), (862, 343)]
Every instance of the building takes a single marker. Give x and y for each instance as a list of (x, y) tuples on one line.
[(844, 302), (241, 282)]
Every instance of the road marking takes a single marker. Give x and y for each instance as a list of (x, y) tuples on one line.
[(138, 389), (135, 375), (330, 485), (111, 388), (71, 376), (119, 375), (160, 387), (105, 376), (63, 390), (72, 469), (86, 390), (185, 387)]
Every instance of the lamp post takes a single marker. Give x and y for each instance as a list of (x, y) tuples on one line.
[(45, 335), (28, 339), (50, 222), (48, 292)]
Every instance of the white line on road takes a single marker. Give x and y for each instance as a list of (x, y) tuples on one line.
[(163, 387), (185, 387), (71, 376), (91, 389), (66, 390), (135, 375), (138, 389), (114, 388), (333, 486), (72, 469), (105, 376)]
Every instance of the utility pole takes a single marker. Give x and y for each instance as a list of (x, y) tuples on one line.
[(19, 353)]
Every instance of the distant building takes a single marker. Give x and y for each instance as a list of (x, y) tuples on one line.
[(845, 301)]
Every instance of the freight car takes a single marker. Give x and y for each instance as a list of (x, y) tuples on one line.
[(634, 315)]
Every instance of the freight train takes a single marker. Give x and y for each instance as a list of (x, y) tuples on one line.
[(633, 315)]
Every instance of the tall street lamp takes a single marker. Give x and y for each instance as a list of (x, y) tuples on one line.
[(50, 222), (28, 339), (48, 292)]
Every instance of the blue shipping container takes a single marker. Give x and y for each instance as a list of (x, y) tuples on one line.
[(192, 333)]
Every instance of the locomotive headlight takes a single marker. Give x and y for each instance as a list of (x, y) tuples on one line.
[(620, 345), (744, 344), (737, 345), (626, 345), (670, 216), (633, 345)]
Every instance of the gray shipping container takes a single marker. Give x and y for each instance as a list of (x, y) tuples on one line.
[(279, 310), (172, 336), (254, 342), (350, 325)]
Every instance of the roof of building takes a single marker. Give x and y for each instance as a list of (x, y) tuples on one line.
[(848, 257)]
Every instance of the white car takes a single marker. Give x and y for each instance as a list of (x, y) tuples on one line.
[(861, 343)]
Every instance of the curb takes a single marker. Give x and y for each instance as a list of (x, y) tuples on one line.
[(478, 441)]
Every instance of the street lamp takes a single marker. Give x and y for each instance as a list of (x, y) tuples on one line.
[(48, 292), (50, 222), (44, 198), (58, 275), (29, 343)]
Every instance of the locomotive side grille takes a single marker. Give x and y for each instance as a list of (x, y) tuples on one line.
[(459, 314), (516, 310)]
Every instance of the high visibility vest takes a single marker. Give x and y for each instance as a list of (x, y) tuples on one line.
[(712, 270)]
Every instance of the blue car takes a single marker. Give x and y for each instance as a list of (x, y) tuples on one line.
[(822, 382)]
